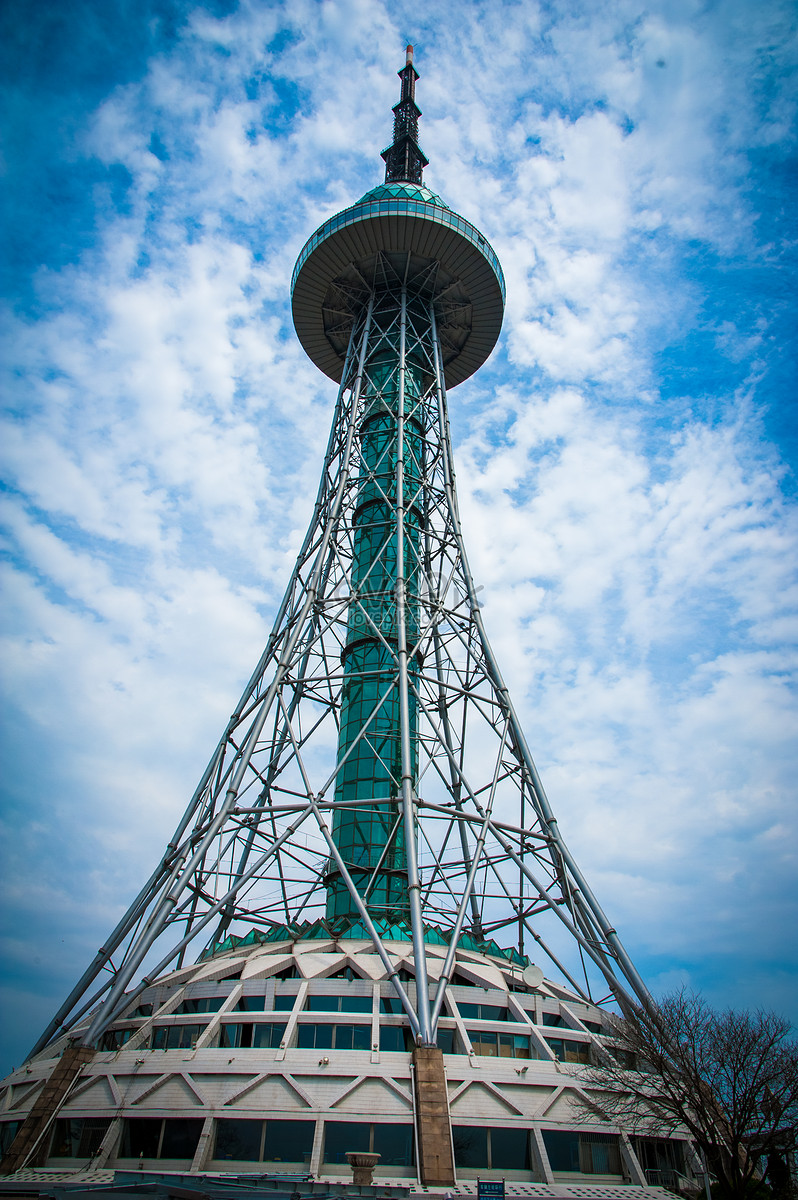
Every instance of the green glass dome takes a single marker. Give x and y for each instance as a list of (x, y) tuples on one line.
[(403, 191)]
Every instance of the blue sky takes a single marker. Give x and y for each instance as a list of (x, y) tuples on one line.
[(626, 459)]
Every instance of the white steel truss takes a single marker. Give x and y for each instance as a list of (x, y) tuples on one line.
[(469, 832)]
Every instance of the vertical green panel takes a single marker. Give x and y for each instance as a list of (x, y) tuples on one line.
[(373, 770)]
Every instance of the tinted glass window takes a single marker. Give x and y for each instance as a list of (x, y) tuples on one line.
[(599, 1154), (141, 1137), (486, 1044), (288, 1141), (78, 1138), (251, 1004), (269, 1036), (338, 1004), (470, 1146), (338, 1037), (314, 1037), (562, 1147), (352, 1037), (180, 1137), (238, 1140), (395, 1037), (552, 1019), (201, 1004), (446, 1041), (340, 1136), (394, 1144), (323, 1004), (514, 1045), (8, 1131), (114, 1039), (509, 1149), (567, 1051), (483, 1012), (153, 1138), (175, 1037)]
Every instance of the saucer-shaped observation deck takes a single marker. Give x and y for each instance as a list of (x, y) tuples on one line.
[(396, 220)]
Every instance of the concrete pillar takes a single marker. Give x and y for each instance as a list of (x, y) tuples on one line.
[(434, 1149)]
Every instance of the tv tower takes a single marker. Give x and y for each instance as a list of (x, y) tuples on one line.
[(373, 798)]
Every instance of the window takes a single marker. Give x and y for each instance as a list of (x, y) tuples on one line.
[(175, 1037), (509, 1149), (659, 1154), (552, 1019), (353, 1004), (562, 1148), (284, 1003), (499, 1045), (470, 1145), (114, 1039), (494, 1148), (588, 1153), (148, 1137), (392, 1005), (78, 1138), (200, 1004), (264, 1141), (334, 1037), (482, 1012), (251, 1004), (394, 1143), (446, 1041), (8, 1131), (593, 1026), (396, 1037), (571, 1052), (254, 1037), (599, 1154), (626, 1058)]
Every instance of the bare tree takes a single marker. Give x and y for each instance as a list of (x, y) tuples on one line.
[(729, 1078)]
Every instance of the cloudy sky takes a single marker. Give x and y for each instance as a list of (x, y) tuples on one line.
[(626, 459)]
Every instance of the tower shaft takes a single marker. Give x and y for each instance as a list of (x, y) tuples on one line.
[(371, 753)]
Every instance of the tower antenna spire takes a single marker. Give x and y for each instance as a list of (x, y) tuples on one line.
[(404, 159)]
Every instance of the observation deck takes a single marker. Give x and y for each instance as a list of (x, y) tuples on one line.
[(398, 219)]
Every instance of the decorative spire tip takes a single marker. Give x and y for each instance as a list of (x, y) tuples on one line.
[(405, 160)]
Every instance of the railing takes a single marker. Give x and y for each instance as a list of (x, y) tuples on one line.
[(673, 1180), (401, 207)]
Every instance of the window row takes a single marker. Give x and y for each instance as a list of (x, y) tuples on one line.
[(352, 1004), (308, 1036), (287, 1141)]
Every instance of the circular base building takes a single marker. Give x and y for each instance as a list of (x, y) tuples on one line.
[(278, 1057)]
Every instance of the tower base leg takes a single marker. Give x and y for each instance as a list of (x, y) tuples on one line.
[(24, 1150), (435, 1153)]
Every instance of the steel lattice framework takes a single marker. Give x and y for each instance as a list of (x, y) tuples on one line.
[(374, 773)]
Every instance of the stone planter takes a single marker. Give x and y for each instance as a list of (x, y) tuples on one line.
[(362, 1164)]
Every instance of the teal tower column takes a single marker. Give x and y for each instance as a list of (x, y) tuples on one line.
[(371, 838)]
